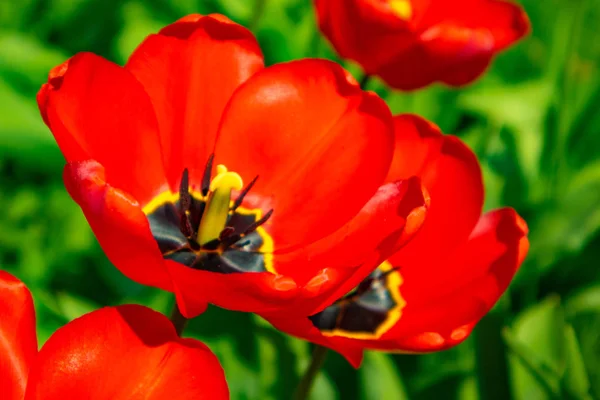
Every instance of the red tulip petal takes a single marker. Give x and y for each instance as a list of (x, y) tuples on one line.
[(125, 352), (411, 68), (392, 216), (190, 69), (118, 222), (451, 174), (444, 303), (98, 110), (248, 292), (303, 328), (466, 37), (18, 341), (505, 22), (319, 144)]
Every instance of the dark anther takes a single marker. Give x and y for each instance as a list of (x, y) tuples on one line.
[(243, 194), (364, 286), (258, 223), (185, 225), (225, 233), (230, 240), (367, 284), (207, 174), (185, 202)]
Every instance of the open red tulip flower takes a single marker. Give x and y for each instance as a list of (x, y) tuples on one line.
[(125, 352), (413, 43), (203, 173), (430, 294)]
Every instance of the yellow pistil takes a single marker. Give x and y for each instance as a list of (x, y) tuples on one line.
[(402, 8), (216, 212)]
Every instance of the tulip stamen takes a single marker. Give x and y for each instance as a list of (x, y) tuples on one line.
[(226, 232), (242, 195), (258, 223), (233, 239), (370, 282), (185, 202), (205, 186)]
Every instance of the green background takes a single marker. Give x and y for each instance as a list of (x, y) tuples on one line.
[(533, 120)]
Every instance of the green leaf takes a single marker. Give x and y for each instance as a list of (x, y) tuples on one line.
[(139, 23), (268, 365), (240, 11), (23, 134), (380, 380), (579, 217), (323, 388), (72, 306), (583, 312), (242, 380), (467, 389), (27, 61), (584, 301), (538, 353), (575, 381), (522, 108)]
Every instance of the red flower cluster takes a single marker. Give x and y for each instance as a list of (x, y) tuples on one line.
[(284, 190), (413, 43), (297, 202), (428, 296), (125, 352)]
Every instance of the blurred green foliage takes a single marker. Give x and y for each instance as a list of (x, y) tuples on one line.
[(533, 119)]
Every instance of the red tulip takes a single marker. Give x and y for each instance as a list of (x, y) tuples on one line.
[(429, 295), (413, 43), (126, 352), (301, 154)]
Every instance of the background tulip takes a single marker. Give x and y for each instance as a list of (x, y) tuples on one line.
[(125, 352), (413, 43)]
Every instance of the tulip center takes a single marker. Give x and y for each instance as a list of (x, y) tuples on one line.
[(368, 311), (401, 8), (208, 230)]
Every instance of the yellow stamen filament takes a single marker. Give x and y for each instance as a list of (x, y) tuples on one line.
[(216, 212), (402, 8)]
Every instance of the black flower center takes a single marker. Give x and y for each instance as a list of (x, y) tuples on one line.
[(367, 312), (207, 230)]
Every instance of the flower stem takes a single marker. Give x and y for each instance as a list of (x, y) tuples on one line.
[(318, 357), (491, 356), (178, 320), (365, 81)]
